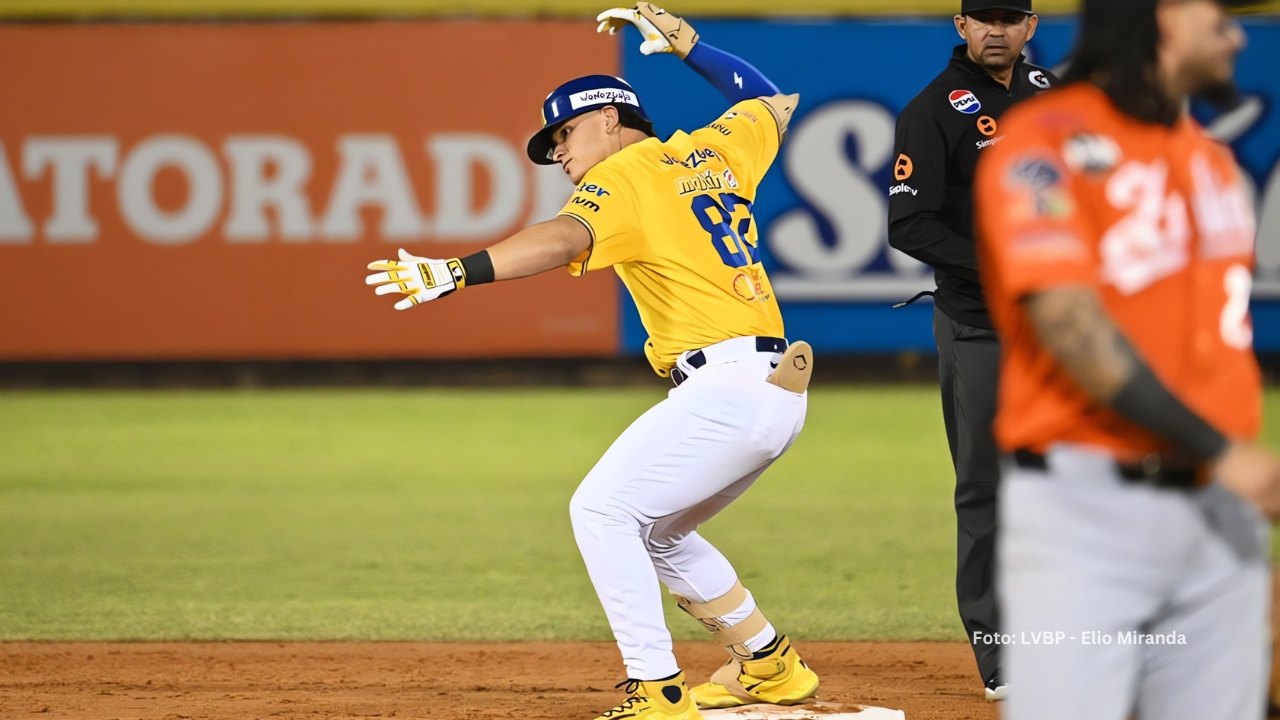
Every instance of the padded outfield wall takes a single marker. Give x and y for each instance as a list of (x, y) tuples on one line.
[(519, 9), (821, 211), (515, 9), (212, 190)]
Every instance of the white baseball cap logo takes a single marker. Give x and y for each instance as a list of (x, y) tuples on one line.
[(603, 96)]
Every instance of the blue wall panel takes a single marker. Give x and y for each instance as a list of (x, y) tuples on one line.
[(821, 211)]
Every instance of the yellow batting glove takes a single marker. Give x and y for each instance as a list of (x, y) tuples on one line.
[(419, 279), (662, 31)]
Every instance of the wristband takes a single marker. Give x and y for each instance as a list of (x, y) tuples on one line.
[(477, 268)]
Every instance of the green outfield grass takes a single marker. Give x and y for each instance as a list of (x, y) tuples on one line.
[(434, 515)]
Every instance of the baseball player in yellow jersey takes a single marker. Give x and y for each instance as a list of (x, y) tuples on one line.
[(673, 218)]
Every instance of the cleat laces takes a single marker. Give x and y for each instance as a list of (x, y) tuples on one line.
[(628, 686)]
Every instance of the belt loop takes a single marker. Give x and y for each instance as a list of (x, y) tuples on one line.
[(771, 344)]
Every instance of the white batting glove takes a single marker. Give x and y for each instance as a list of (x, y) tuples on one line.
[(662, 31), (419, 279)]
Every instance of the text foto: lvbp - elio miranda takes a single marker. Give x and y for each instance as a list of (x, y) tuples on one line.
[(1086, 637)]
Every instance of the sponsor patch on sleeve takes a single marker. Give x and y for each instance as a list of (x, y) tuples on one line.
[(587, 203), (1035, 171), (592, 189), (586, 195), (903, 167), (1037, 189)]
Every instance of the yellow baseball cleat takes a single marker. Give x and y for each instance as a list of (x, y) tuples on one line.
[(655, 700), (776, 675)]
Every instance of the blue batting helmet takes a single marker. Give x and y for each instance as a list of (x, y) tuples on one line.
[(575, 98)]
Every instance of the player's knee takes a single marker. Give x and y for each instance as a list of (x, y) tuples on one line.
[(589, 509)]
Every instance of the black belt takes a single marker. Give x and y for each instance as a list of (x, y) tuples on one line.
[(699, 358), (1151, 471)]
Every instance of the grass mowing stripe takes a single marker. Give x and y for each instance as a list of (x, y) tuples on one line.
[(435, 515)]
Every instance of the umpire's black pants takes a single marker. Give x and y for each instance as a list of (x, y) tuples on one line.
[(968, 366)]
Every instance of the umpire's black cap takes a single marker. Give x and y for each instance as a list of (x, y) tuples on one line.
[(972, 6)]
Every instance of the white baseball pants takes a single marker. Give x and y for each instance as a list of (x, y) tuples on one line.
[(684, 460), (1161, 596)]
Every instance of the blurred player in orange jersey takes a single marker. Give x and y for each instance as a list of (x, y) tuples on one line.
[(1117, 239)]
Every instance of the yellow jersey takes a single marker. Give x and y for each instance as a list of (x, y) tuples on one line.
[(673, 219)]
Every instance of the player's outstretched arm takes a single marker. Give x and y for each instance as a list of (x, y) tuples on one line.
[(535, 249), (663, 32), (538, 248), (1072, 325)]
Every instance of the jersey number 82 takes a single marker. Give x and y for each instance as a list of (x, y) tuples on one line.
[(728, 221)]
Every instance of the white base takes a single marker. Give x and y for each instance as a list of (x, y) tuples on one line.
[(810, 711)]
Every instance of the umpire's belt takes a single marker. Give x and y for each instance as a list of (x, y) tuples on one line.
[(1151, 471), (722, 352)]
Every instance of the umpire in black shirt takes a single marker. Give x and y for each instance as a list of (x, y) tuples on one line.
[(939, 137)]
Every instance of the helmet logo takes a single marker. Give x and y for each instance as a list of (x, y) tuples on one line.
[(602, 97)]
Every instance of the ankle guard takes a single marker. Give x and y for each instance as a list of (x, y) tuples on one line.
[(710, 613)]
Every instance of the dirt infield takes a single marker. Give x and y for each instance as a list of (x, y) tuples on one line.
[(323, 681)]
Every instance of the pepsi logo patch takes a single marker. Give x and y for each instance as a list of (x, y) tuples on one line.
[(964, 101)]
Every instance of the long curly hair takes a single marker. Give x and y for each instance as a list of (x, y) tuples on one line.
[(1117, 49)]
